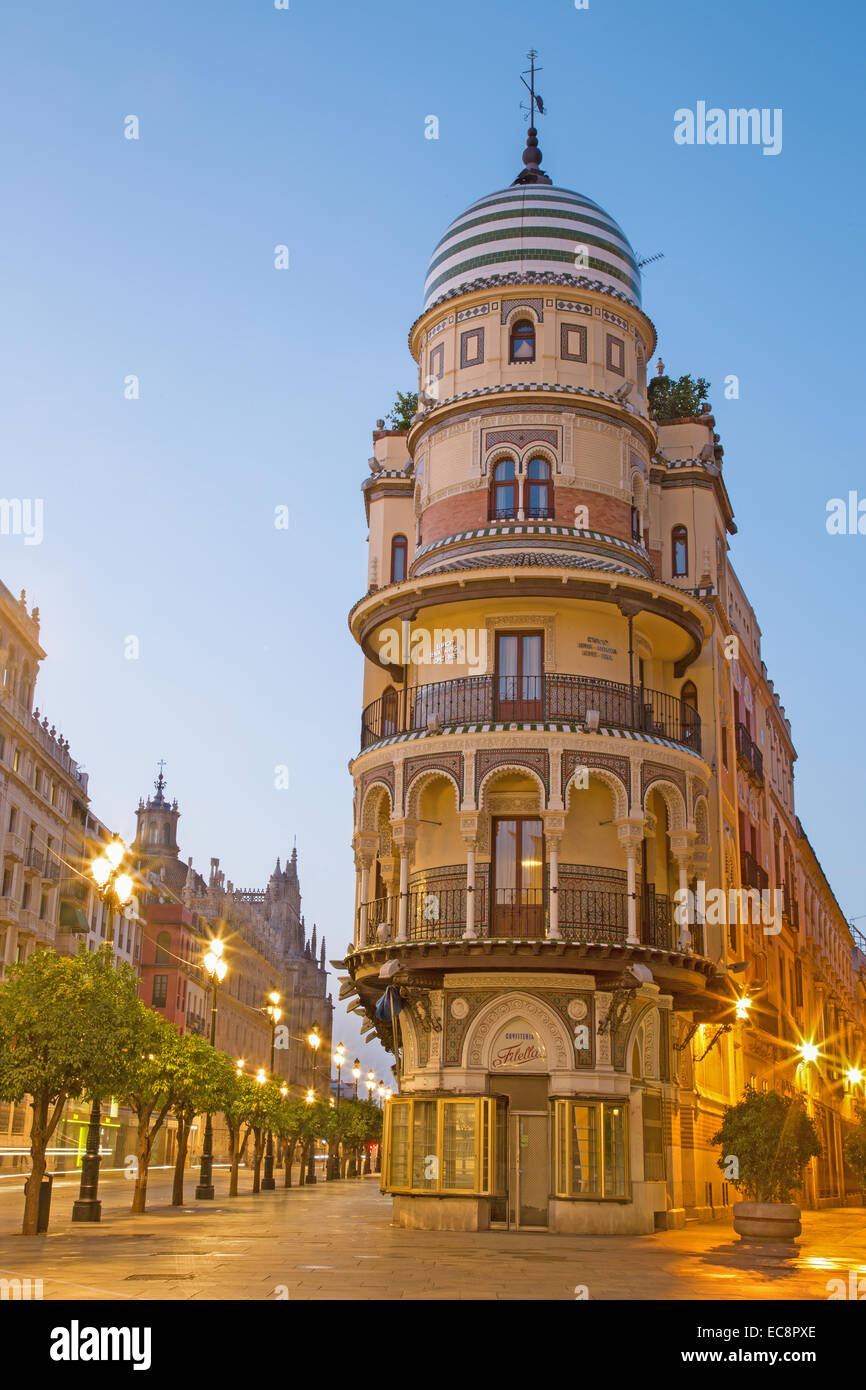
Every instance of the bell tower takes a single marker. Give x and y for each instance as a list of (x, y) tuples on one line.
[(156, 828)]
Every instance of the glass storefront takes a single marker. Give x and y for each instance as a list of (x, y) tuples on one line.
[(591, 1149), (445, 1145)]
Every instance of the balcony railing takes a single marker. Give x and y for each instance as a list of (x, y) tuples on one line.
[(34, 859), (586, 914), (749, 755), (550, 698), (751, 873)]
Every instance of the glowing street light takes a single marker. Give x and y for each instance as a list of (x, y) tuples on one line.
[(115, 889), (356, 1074), (370, 1084), (808, 1052), (743, 1006), (854, 1075)]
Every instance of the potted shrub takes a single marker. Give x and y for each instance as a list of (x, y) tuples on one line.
[(766, 1141)]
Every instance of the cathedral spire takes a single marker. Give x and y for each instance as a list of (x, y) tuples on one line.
[(532, 171)]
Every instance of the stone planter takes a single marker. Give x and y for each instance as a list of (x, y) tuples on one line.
[(778, 1221)]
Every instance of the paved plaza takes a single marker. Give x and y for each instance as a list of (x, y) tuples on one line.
[(335, 1241)]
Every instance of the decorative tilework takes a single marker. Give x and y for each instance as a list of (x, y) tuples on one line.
[(572, 342), (571, 759), (657, 772), (574, 306), (486, 759), (536, 305), (521, 437), (474, 313), (472, 347)]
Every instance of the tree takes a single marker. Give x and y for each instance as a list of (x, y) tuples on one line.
[(148, 1088), (365, 1127), (855, 1146), (201, 1085), (403, 409), (65, 1027), (291, 1125), (772, 1139), (676, 400), (264, 1101), (236, 1107)]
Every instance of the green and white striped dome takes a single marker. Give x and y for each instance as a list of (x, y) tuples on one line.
[(535, 228)]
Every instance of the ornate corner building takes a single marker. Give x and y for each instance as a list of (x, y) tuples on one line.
[(566, 729)]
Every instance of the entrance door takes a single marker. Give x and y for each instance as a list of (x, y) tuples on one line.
[(518, 877), (528, 1170), (519, 668)]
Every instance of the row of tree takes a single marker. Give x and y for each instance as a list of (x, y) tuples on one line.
[(73, 1027)]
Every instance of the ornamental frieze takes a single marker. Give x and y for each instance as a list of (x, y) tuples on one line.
[(537, 760), (434, 762), (571, 760), (658, 772)]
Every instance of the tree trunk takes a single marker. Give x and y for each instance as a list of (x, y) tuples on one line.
[(234, 1135), (183, 1126), (139, 1195), (257, 1160), (38, 1143), (289, 1157)]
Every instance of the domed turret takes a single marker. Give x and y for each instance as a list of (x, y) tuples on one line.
[(536, 228)]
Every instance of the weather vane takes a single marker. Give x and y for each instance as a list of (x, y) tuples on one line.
[(535, 102)]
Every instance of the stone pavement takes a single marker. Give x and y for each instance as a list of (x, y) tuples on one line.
[(335, 1241)]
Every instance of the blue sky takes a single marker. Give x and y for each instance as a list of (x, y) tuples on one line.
[(260, 387)]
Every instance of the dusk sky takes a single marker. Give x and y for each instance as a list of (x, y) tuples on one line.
[(259, 387)]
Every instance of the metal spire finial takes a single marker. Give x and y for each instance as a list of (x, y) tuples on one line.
[(533, 172)]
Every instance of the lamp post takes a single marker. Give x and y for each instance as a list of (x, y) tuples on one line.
[(216, 969), (356, 1074), (371, 1085), (339, 1059), (274, 1013), (315, 1043), (381, 1089), (115, 890)]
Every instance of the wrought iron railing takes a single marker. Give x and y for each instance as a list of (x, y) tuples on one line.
[(34, 859), (551, 697), (749, 754), (751, 873), (586, 913)]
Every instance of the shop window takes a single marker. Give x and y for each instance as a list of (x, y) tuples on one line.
[(503, 491), (538, 489), (679, 551), (446, 1145), (522, 345), (592, 1149), (399, 555), (653, 1138)]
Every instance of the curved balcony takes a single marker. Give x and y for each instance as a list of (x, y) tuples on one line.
[(591, 914), (552, 698)]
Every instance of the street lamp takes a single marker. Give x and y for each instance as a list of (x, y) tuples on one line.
[(274, 1013), (115, 890), (315, 1042), (855, 1075), (371, 1084), (339, 1059), (381, 1094), (808, 1052), (217, 969), (356, 1074)]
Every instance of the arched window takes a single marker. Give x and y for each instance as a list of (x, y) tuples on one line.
[(163, 944), (522, 348), (635, 525), (689, 694), (503, 491), (538, 489), (399, 556), (679, 551)]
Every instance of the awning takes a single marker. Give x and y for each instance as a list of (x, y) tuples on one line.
[(72, 918)]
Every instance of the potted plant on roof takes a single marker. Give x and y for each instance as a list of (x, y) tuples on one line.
[(766, 1140)]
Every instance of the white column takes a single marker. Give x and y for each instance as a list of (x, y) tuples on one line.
[(403, 917), (631, 896), (470, 933), (553, 885), (365, 890), (685, 938)]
